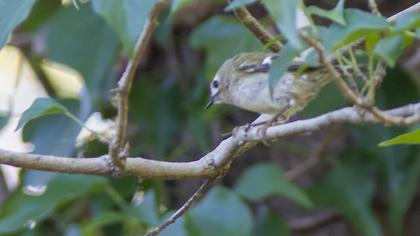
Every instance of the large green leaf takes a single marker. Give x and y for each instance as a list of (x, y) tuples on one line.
[(103, 219), (22, 210), (126, 18), (349, 189), (268, 223), (412, 137), (4, 118), (147, 211), (177, 228), (12, 13), (280, 66), (222, 213), (238, 3), (40, 13), (265, 180), (358, 24), (389, 49), (41, 107), (82, 40), (402, 182), (284, 13), (335, 14), (408, 21), (231, 38), (54, 134), (159, 108), (180, 4)]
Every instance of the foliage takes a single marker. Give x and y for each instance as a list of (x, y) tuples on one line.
[(167, 122)]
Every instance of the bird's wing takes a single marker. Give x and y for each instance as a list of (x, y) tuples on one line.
[(263, 66)]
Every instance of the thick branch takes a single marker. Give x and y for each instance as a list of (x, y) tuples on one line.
[(210, 164), (117, 149)]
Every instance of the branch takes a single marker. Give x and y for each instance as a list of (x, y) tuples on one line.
[(257, 29), (208, 165), (118, 148), (348, 93)]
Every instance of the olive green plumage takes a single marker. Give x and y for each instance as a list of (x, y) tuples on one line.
[(242, 81)]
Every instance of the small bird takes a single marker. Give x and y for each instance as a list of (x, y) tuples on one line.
[(242, 81)]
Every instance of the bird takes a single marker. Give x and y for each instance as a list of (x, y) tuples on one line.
[(242, 81)]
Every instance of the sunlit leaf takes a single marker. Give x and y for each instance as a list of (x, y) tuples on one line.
[(335, 14), (41, 107), (265, 180), (412, 137), (12, 13)]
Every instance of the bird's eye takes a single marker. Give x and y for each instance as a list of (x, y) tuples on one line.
[(215, 84)]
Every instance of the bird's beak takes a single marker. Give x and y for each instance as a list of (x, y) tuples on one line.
[(211, 101)]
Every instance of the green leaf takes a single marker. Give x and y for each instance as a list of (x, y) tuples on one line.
[(358, 24), (40, 13), (23, 208), (41, 107), (103, 219), (389, 49), (412, 137), (238, 3), (284, 13), (408, 21), (12, 13), (268, 223), (147, 210), (175, 229), (180, 4), (4, 118), (231, 38), (349, 189), (126, 17), (402, 182), (222, 213), (280, 65), (335, 14), (265, 180), (91, 54)]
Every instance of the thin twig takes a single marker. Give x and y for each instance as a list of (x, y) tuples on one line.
[(348, 93), (197, 196), (118, 148), (257, 29)]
